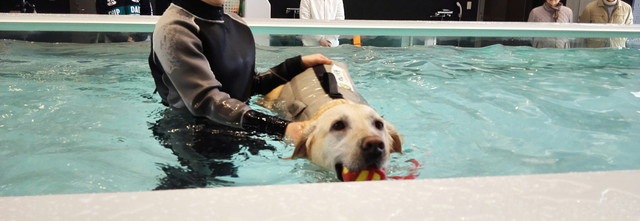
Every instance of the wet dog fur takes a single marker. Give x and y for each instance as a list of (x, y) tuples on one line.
[(344, 134)]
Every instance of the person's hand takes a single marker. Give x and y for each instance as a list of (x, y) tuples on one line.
[(315, 59), (294, 131), (325, 43)]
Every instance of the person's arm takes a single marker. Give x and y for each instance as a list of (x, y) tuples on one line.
[(267, 81), (585, 17), (256, 121), (531, 17), (340, 13), (280, 74), (179, 51), (629, 20), (305, 12)]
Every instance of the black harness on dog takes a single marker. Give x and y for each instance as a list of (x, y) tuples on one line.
[(328, 82)]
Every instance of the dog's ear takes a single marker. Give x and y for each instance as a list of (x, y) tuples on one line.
[(300, 150), (397, 143), (397, 140)]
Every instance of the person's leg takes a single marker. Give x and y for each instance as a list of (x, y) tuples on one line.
[(204, 149)]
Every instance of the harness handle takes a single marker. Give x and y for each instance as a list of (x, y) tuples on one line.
[(328, 82)]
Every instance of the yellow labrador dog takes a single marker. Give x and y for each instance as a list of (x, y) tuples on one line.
[(343, 132)]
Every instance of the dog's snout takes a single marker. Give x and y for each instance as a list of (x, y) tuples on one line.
[(372, 147)]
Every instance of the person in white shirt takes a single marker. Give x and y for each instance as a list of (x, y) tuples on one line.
[(321, 10)]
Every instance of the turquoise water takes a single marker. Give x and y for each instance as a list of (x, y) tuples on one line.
[(77, 118)]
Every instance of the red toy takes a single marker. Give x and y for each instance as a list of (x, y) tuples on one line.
[(371, 173)]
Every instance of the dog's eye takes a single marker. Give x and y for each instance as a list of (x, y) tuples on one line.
[(378, 124), (338, 125)]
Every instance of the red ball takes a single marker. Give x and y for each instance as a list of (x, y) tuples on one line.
[(371, 173)]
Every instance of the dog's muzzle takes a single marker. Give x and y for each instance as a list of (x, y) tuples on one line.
[(372, 153), (372, 150)]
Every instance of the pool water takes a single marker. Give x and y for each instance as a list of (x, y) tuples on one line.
[(79, 118)]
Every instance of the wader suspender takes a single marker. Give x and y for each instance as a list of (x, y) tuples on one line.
[(328, 82)]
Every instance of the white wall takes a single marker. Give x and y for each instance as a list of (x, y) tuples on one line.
[(257, 9)]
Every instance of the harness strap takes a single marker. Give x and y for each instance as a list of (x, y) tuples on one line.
[(328, 82), (327, 106)]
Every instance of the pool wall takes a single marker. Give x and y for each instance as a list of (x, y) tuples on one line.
[(83, 28), (572, 196)]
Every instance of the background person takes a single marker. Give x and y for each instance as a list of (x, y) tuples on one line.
[(123, 7), (321, 10), (551, 11), (607, 11)]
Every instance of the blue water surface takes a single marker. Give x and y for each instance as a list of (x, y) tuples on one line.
[(76, 118)]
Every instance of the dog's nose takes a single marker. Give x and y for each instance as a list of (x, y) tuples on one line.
[(372, 147)]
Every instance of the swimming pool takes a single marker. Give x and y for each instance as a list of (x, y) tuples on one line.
[(79, 118)]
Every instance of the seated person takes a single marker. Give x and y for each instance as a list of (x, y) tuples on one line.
[(321, 10)]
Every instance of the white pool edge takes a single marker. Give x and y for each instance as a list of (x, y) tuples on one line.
[(612, 195), (106, 23)]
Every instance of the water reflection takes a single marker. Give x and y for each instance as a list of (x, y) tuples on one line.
[(206, 151)]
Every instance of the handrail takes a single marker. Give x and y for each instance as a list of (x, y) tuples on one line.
[(125, 23)]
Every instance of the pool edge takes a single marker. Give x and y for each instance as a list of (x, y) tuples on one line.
[(610, 195)]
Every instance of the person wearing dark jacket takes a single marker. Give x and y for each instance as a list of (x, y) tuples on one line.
[(123, 7), (203, 61)]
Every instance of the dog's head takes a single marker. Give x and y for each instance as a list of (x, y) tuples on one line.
[(351, 136)]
